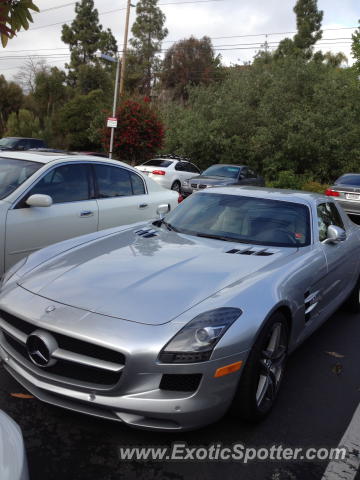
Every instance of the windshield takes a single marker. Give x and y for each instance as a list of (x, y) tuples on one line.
[(7, 142), (13, 173), (226, 171), (242, 219), (349, 180)]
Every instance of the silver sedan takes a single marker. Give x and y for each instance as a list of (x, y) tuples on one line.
[(168, 325)]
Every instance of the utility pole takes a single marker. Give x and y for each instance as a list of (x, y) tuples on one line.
[(123, 61)]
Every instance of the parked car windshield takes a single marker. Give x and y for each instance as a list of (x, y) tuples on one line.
[(13, 173), (7, 142), (349, 180), (157, 163), (242, 219), (222, 171)]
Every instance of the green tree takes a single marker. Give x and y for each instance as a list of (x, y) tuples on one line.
[(23, 124), (190, 62), (50, 91), (355, 49), (148, 32), (308, 22), (14, 15), (296, 116), (85, 36), (75, 119), (11, 100)]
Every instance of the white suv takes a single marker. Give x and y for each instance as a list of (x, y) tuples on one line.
[(169, 171)]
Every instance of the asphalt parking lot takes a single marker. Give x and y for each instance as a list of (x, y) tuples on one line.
[(319, 395)]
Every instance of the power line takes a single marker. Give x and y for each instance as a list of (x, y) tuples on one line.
[(174, 41), (222, 47)]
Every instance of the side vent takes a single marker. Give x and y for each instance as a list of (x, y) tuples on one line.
[(251, 251)]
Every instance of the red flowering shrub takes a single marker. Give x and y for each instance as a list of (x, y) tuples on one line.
[(139, 134)]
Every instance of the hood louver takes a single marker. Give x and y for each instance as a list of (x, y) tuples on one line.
[(148, 233), (251, 251)]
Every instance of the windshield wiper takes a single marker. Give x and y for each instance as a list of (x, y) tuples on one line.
[(220, 237), (169, 226)]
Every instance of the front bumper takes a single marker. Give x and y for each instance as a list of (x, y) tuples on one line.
[(136, 399)]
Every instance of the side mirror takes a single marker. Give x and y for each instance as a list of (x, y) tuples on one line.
[(38, 200), (335, 235), (162, 210)]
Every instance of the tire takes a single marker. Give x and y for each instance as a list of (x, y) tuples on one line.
[(176, 186), (352, 304), (263, 372)]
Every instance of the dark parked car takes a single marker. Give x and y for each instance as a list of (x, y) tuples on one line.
[(221, 175), (20, 143), (346, 190)]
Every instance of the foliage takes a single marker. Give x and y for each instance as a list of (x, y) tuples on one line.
[(139, 134), (355, 49), (315, 187), (308, 22), (11, 100), (289, 115), (49, 91), (75, 119), (23, 124), (14, 15), (85, 36), (189, 62), (148, 32)]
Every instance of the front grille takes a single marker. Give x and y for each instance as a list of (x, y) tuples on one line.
[(90, 368), (180, 383)]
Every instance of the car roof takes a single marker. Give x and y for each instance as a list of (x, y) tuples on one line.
[(285, 195), (48, 157)]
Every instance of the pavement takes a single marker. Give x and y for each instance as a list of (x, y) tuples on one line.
[(318, 398)]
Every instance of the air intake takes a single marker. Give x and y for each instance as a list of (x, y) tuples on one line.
[(148, 233), (252, 251)]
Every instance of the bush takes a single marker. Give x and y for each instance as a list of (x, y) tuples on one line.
[(139, 134), (315, 187)]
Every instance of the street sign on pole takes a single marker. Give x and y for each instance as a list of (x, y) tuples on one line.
[(112, 122)]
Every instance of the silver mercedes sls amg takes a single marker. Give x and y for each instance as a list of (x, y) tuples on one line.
[(169, 324)]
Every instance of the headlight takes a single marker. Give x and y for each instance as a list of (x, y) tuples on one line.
[(196, 341), (12, 271), (185, 183)]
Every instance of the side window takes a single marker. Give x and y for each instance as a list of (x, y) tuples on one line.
[(244, 173), (36, 144), (68, 183), (251, 173), (137, 184), (328, 215), (23, 144), (112, 181), (180, 166), (194, 168)]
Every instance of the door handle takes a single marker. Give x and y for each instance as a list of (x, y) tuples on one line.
[(143, 205), (86, 213)]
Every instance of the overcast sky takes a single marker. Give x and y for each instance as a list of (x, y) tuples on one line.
[(247, 21)]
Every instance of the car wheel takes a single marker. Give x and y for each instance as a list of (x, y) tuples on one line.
[(176, 186), (263, 373), (352, 304)]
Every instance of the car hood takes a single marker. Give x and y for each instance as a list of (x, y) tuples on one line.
[(212, 180), (148, 280)]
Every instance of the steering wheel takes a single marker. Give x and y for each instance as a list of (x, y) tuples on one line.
[(287, 234)]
